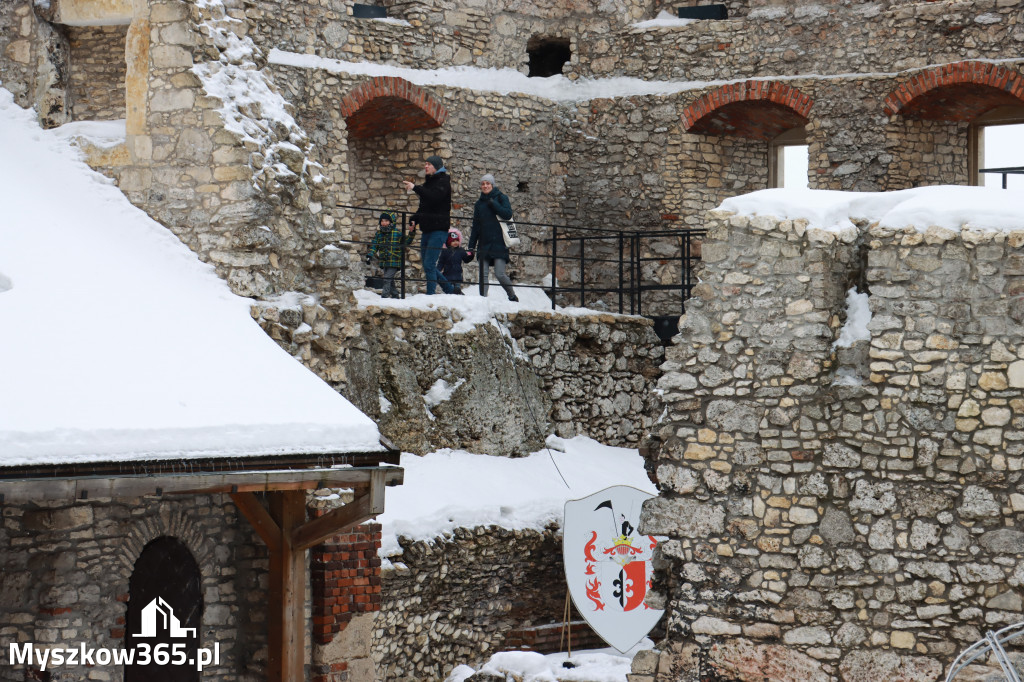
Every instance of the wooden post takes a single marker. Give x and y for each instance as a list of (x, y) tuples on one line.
[(288, 535), (286, 646)]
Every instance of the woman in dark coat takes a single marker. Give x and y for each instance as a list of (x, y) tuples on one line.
[(434, 218), (486, 241)]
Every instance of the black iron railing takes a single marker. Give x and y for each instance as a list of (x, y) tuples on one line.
[(1005, 172), (636, 271)]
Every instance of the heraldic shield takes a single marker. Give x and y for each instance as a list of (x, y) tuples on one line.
[(608, 564)]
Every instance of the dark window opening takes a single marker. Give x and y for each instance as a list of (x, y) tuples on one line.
[(547, 56), (523, 187)]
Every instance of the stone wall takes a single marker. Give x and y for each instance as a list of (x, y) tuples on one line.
[(482, 33), (98, 67), (267, 215), (840, 515), (460, 599), (64, 576), (570, 375), (34, 62)]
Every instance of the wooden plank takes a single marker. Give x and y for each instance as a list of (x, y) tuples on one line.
[(367, 504), (333, 522), (260, 519), (94, 487)]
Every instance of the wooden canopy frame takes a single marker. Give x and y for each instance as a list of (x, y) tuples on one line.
[(287, 534)]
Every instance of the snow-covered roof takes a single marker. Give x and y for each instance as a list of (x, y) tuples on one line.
[(118, 344)]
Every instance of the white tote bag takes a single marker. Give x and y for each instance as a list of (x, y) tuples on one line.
[(509, 232)]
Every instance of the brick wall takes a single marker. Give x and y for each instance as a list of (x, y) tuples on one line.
[(345, 578)]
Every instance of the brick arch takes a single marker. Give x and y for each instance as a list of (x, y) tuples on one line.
[(956, 92), (390, 105), (754, 109), (175, 522)]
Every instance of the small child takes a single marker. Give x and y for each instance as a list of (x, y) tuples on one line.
[(387, 248), (451, 260)]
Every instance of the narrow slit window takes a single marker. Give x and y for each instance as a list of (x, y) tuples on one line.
[(789, 160)]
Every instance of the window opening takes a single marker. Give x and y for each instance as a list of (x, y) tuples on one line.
[(789, 160), (547, 56), (999, 143)]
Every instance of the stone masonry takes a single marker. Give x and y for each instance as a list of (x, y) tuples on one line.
[(569, 375), (65, 570), (844, 531), (264, 200), (847, 515)]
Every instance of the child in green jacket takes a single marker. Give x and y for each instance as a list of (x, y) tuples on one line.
[(387, 248)]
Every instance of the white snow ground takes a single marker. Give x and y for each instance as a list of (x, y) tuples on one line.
[(592, 665), (119, 344), (481, 490)]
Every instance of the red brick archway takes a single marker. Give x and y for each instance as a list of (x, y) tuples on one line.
[(390, 105), (956, 92), (760, 110)]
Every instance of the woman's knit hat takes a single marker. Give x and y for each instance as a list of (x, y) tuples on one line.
[(488, 178), (435, 161)]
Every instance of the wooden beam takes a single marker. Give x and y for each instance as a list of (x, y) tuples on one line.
[(286, 650), (93, 487), (260, 519), (367, 504)]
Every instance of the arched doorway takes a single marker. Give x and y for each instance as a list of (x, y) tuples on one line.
[(942, 118), (165, 607)]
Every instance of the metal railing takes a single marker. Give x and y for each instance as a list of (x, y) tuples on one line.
[(993, 643), (1005, 172), (584, 264)]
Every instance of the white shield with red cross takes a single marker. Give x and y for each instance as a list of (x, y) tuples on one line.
[(608, 564)]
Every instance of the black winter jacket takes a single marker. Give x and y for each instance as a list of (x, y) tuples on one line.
[(486, 238), (450, 263), (434, 212)]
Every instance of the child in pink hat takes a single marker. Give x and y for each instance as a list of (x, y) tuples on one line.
[(452, 258)]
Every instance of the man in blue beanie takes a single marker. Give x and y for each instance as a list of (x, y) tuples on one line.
[(433, 218)]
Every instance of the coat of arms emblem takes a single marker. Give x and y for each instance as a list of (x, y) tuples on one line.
[(608, 564)]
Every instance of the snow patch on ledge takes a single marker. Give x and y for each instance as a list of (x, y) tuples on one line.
[(948, 207), (101, 134), (663, 20), (470, 310)]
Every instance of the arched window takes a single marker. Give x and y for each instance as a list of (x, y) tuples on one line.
[(165, 607)]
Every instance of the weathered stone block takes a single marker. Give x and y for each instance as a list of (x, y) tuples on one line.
[(686, 517)]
